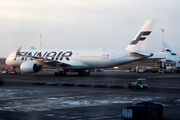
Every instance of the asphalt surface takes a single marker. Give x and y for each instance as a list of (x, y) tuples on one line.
[(21, 100)]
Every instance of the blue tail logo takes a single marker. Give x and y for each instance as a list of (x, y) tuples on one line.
[(140, 38)]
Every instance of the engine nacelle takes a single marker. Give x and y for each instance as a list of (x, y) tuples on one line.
[(30, 67)]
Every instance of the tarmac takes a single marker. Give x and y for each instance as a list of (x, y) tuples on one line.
[(21, 100)]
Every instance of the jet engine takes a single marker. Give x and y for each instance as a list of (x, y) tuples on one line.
[(30, 67)]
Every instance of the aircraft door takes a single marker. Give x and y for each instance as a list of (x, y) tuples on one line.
[(76, 56), (112, 57)]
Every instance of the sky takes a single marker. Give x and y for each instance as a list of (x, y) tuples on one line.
[(86, 24)]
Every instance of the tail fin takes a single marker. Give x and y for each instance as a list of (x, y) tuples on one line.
[(140, 42), (170, 54), (167, 48), (32, 48)]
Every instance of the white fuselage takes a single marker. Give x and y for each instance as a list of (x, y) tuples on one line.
[(78, 59)]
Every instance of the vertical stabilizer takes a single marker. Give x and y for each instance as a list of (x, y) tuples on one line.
[(170, 54), (167, 48), (140, 41)]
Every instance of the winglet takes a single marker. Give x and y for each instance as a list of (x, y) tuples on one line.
[(18, 51)]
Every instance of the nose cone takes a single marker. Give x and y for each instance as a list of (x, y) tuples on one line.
[(10, 59), (7, 61)]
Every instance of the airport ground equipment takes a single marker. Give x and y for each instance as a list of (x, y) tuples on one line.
[(52, 84), (139, 84), (12, 71), (177, 67), (130, 70), (155, 69), (161, 70), (140, 69), (99, 70), (1, 81), (169, 70), (100, 86), (68, 84), (39, 83), (117, 86), (143, 111), (84, 85)]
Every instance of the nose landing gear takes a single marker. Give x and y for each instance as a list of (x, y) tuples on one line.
[(60, 73)]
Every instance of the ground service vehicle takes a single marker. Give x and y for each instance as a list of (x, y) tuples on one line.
[(162, 70), (1, 81), (140, 69), (143, 111), (129, 70), (169, 70), (99, 70), (155, 69), (177, 67), (139, 84), (11, 71)]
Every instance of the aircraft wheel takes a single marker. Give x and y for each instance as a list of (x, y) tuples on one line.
[(82, 73), (88, 73), (64, 74), (55, 74), (60, 73), (79, 73)]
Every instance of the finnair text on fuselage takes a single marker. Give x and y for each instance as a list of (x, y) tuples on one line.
[(53, 55)]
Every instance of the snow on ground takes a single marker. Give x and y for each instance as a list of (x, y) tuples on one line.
[(33, 101)]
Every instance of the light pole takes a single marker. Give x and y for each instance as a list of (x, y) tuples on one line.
[(40, 41), (162, 46), (163, 37)]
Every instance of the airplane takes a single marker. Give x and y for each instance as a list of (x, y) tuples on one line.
[(170, 55), (82, 60), (32, 48)]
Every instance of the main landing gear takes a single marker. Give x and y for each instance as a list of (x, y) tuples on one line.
[(80, 73), (60, 73)]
